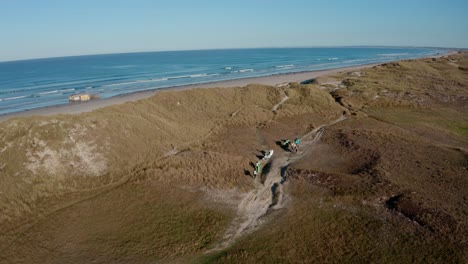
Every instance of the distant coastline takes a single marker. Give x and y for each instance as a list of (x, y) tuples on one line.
[(273, 80), (34, 84)]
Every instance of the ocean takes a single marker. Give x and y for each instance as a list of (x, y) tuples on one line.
[(30, 84)]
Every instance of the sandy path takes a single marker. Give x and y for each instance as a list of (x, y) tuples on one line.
[(275, 107)]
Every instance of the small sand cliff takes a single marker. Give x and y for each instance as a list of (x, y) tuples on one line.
[(380, 174)]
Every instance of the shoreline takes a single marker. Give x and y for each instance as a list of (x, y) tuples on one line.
[(273, 80)]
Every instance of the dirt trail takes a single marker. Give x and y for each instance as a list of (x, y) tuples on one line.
[(269, 195), (275, 107)]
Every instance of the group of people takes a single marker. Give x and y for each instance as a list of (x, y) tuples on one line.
[(292, 146)]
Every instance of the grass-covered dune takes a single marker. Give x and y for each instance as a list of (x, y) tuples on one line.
[(163, 179)]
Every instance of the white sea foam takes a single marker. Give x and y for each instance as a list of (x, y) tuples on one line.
[(134, 82), (198, 75), (67, 90), (285, 66), (349, 61), (246, 70), (49, 92), (13, 98), (190, 76), (178, 77), (121, 66), (227, 68), (332, 58)]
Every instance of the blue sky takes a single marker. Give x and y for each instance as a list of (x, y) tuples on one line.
[(46, 28)]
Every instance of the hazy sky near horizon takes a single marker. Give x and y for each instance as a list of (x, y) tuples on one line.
[(47, 28)]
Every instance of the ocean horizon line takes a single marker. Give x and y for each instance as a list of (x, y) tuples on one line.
[(32, 84), (240, 48)]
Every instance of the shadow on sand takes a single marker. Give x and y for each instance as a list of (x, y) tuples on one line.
[(281, 144)]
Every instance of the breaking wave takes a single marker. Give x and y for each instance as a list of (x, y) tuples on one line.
[(138, 81), (285, 66), (13, 98), (49, 92)]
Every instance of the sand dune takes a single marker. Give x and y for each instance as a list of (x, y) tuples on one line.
[(168, 178)]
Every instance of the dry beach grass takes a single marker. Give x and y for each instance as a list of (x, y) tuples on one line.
[(160, 179)]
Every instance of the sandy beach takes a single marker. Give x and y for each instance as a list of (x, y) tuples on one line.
[(76, 108), (274, 80)]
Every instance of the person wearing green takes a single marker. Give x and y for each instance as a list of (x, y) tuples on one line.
[(257, 168)]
